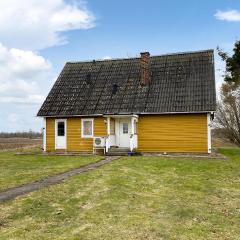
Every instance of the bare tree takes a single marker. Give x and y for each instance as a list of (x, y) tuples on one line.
[(228, 114), (228, 110)]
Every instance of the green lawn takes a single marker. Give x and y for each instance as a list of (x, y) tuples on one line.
[(134, 198), (16, 170)]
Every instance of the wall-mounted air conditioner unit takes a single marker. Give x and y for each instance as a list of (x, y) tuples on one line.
[(99, 141)]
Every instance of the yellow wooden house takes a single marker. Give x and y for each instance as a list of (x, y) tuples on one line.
[(147, 104)]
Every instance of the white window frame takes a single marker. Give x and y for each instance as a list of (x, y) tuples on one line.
[(84, 120)]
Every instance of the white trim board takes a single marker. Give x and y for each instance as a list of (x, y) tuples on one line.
[(87, 119), (209, 133), (44, 134)]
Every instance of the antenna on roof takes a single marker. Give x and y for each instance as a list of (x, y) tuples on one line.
[(114, 88), (88, 78)]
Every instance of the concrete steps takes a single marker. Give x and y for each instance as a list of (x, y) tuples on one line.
[(115, 151)]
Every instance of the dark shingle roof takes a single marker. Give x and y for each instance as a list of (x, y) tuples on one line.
[(182, 82)]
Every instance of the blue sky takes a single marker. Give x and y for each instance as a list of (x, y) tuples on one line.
[(38, 37)]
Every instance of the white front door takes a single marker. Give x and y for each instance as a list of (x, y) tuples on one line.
[(124, 132), (60, 133)]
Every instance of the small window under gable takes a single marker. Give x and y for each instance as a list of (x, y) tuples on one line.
[(87, 128), (114, 88)]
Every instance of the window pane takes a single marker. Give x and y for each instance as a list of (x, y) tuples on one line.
[(61, 129), (125, 127), (112, 127), (87, 128)]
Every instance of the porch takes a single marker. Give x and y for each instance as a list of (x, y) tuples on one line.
[(121, 132)]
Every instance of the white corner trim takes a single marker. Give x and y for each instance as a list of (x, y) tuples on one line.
[(65, 124), (82, 121), (209, 133), (108, 126), (132, 125), (44, 134)]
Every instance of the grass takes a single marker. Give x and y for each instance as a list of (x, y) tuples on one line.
[(20, 169), (134, 198)]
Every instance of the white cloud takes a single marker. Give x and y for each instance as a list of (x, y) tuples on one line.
[(13, 118), (35, 24), (19, 117), (230, 15), (30, 99), (27, 26), (21, 72), (106, 58)]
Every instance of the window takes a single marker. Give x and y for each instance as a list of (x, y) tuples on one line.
[(112, 127), (125, 127), (61, 129), (87, 128)]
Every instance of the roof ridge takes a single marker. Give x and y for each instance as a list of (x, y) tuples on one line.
[(134, 58)]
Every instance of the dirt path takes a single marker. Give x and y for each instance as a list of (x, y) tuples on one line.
[(12, 193)]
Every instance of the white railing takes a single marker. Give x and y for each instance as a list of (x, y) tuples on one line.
[(107, 144), (133, 136), (110, 141), (133, 142)]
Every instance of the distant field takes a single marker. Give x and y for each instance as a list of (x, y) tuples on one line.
[(221, 142), (13, 143)]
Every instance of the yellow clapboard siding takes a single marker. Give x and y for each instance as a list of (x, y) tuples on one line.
[(100, 128), (173, 133), (156, 133), (50, 134), (74, 140)]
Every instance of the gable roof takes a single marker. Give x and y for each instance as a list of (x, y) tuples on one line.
[(182, 82)]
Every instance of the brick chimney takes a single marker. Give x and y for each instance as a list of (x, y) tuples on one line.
[(145, 68)]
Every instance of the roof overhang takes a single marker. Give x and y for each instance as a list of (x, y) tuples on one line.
[(166, 113), (127, 115), (120, 115)]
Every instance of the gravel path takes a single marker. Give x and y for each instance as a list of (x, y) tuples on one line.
[(12, 193)]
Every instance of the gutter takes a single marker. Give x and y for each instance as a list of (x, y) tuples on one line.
[(128, 114)]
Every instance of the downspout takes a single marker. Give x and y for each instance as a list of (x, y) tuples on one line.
[(108, 134), (44, 134), (132, 135)]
